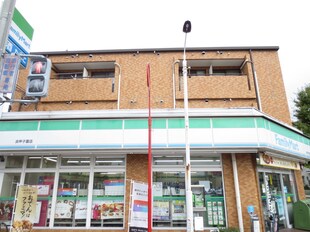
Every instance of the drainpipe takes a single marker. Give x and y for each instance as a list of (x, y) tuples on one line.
[(238, 199), (119, 84), (173, 82), (255, 83), (248, 78)]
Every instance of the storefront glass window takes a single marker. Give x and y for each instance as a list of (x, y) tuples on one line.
[(71, 204), (108, 199), (290, 197), (8, 191), (45, 184), (90, 190), (208, 198), (169, 207)]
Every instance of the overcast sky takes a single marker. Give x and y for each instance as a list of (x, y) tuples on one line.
[(61, 25)]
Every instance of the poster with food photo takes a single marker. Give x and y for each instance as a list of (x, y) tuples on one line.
[(112, 209), (64, 209)]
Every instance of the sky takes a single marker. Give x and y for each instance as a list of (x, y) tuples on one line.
[(61, 25)]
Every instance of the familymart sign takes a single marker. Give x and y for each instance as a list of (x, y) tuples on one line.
[(167, 133), (20, 37)]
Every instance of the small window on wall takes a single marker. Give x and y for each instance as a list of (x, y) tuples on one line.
[(44, 181), (108, 199), (75, 161), (106, 161), (14, 162), (205, 160), (41, 161), (168, 160)]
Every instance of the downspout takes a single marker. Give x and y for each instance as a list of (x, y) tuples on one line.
[(248, 78), (255, 83), (238, 199), (173, 82), (119, 84)]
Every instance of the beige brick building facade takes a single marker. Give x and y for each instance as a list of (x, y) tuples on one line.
[(239, 89), (236, 85)]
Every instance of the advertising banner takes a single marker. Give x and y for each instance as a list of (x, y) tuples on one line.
[(25, 209), (271, 161), (161, 210), (114, 187), (139, 208), (112, 209), (80, 209), (64, 209), (178, 210)]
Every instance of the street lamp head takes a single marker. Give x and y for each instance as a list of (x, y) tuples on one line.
[(187, 26)]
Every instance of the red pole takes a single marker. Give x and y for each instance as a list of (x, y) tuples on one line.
[(148, 76)]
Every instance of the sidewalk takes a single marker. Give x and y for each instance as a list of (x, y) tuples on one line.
[(292, 230)]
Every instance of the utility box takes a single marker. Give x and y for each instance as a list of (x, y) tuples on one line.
[(301, 210)]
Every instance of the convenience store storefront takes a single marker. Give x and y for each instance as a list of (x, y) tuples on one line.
[(83, 163)]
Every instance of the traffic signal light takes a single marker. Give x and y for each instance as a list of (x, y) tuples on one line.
[(39, 76)]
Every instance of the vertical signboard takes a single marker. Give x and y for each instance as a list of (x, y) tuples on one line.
[(20, 36), (139, 208), (25, 209), (8, 74)]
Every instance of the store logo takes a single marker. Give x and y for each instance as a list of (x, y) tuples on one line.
[(285, 142)]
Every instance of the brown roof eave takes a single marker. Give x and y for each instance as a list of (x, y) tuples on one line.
[(253, 48)]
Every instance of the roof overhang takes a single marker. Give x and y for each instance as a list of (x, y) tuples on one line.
[(69, 66), (180, 49)]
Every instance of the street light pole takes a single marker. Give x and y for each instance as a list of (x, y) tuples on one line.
[(189, 202), (6, 15)]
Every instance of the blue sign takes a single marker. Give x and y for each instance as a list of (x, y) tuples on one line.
[(20, 36), (8, 73), (12, 48)]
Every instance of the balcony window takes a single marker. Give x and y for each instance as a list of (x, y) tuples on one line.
[(77, 70), (218, 67), (226, 72), (102, 74)]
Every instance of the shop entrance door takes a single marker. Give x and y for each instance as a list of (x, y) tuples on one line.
[(278, 196)]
